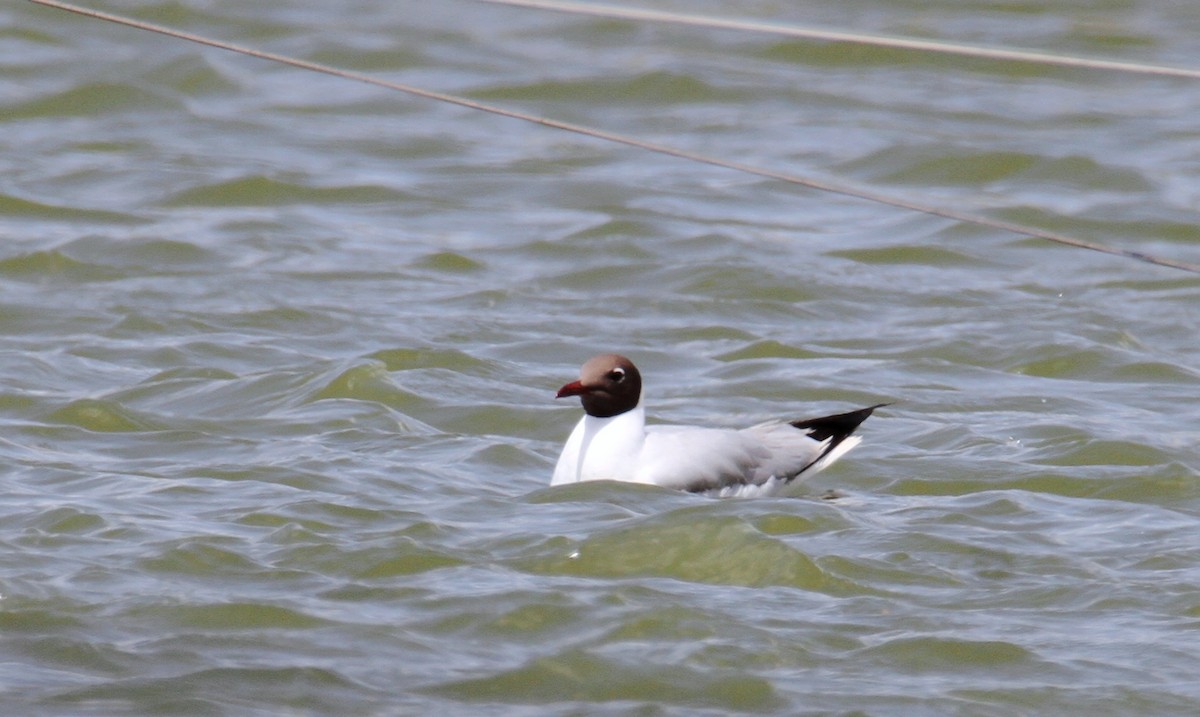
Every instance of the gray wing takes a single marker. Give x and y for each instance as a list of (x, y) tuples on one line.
[(702, 459), (792, 450), (729, 462)]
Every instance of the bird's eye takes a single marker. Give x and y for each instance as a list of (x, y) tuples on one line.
[(617, 374)]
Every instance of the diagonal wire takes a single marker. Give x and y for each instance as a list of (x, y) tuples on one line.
[(813, 33), (823, 185)]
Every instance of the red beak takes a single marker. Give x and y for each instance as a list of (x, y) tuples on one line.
[(575, 388)]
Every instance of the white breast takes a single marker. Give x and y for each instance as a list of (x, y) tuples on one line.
[(603, 449)]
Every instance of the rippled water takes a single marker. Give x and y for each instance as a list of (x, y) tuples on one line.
[(276, 415)]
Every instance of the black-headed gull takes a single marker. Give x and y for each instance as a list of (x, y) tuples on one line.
[(613, 442)]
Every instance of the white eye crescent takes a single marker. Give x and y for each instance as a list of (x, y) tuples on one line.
[(617, 374)]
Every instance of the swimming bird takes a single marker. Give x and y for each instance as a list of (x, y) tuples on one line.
[(613, 442)]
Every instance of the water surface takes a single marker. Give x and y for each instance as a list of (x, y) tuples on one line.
[(276, 415)]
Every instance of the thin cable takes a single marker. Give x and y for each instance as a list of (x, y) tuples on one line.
[(837, 188), (812, 33)]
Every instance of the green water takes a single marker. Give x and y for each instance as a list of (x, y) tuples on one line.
[(279, 355)]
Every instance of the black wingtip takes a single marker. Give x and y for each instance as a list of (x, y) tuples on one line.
[(835, 429), (837, 426)]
